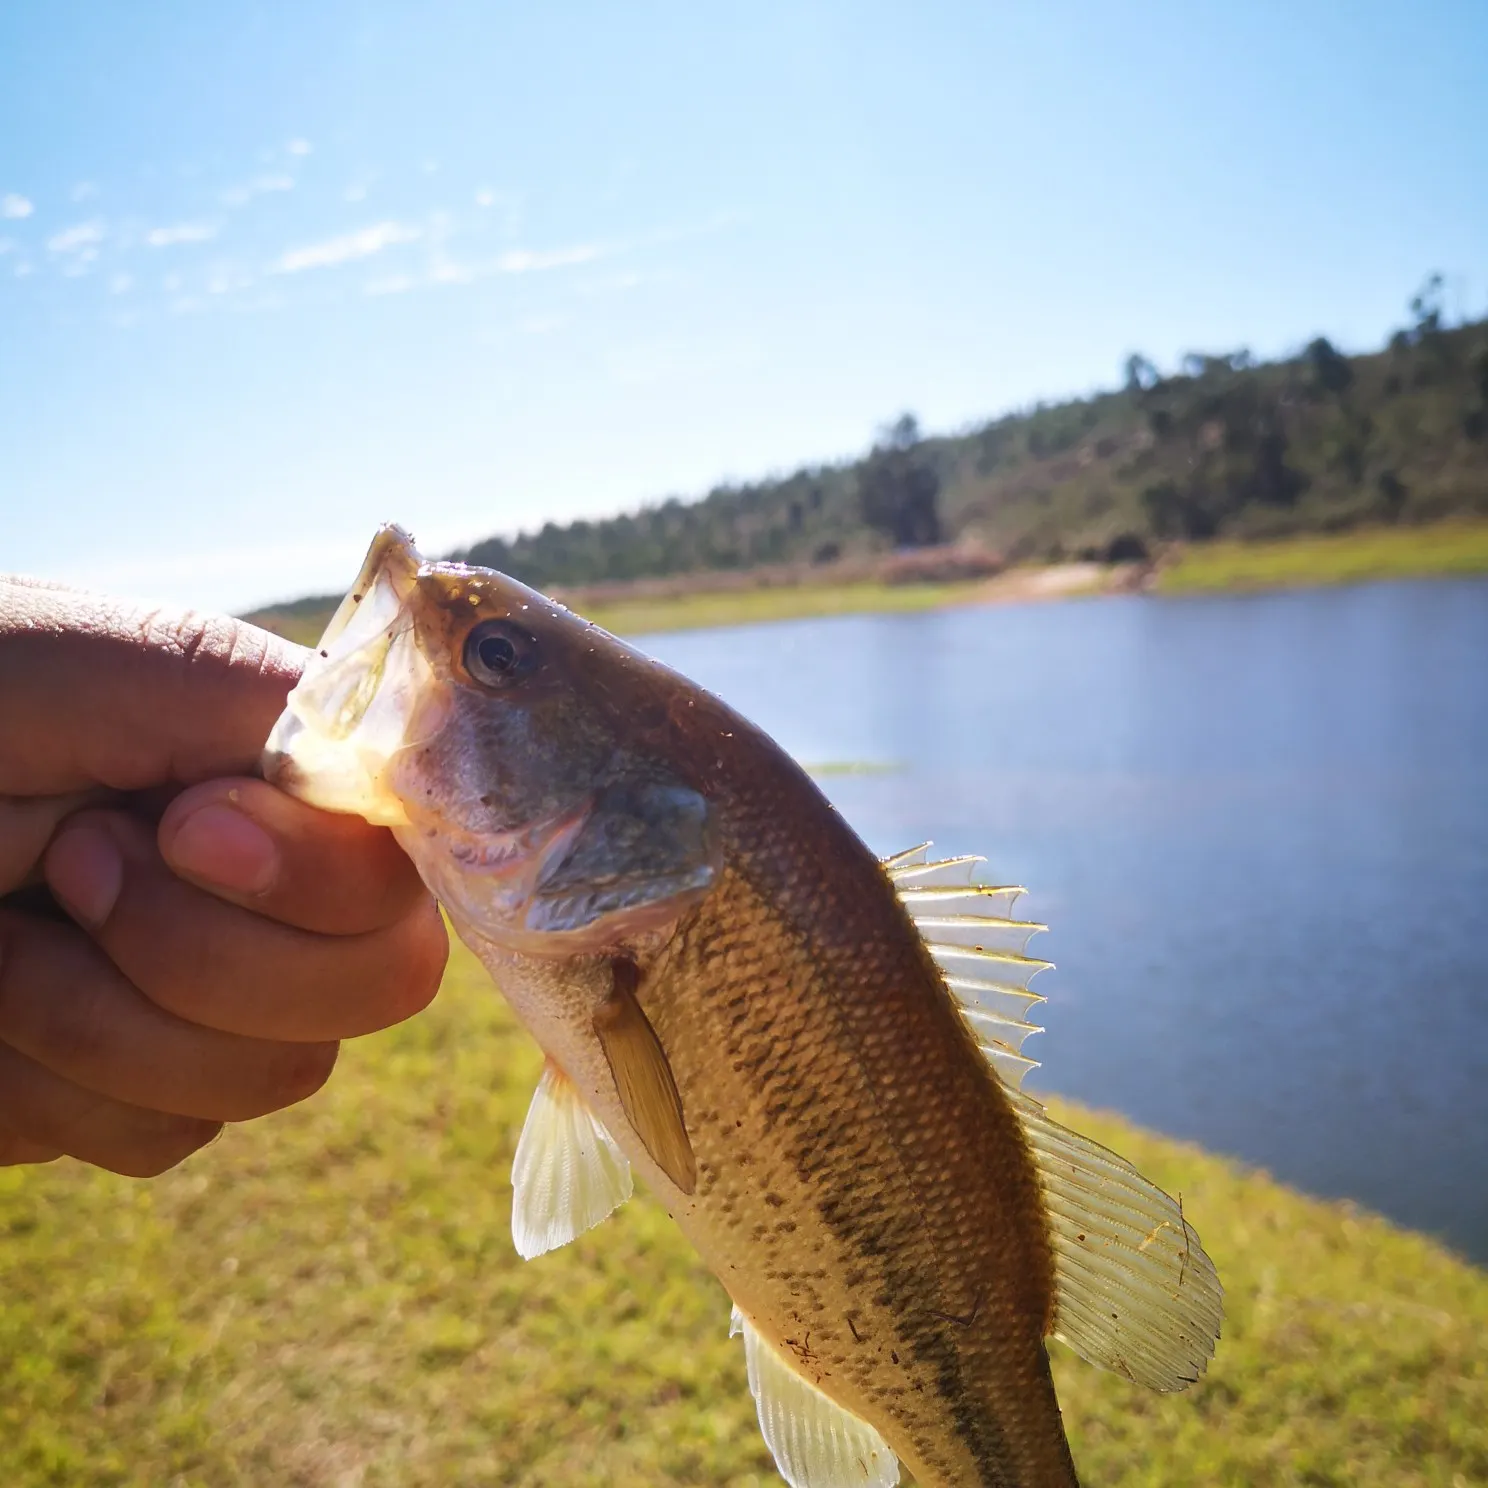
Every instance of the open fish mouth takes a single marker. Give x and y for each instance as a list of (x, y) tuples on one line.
[(362, 697)]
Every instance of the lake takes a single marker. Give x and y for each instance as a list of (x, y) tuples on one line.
[(1258, 830)]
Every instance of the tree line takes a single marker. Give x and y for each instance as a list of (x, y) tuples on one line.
[(1221, 445)]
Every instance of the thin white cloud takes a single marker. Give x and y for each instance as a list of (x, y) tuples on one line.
[(237, 196), (84, 191), (298, 147), (82, 239), (445, 272), (12, 205), (7, 245), (181, 232), (528, 261), (393, 284), (354, 193), (346, 248), (485, 197), (22, 270), (226, 278), (121, 284)]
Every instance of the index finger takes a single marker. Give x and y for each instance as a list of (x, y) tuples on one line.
[(105, 692)]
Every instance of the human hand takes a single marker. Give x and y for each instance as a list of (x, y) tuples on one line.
[(220, 936)]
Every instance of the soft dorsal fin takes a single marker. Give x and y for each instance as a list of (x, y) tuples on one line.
[(815, 1443), (568, 1174), (1134, 1290)]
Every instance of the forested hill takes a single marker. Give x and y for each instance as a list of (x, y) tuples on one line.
[(1222, 446)]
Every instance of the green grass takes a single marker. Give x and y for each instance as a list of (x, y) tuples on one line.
[(746, 606), (1337, 558), (704, 609), (329, 1299)]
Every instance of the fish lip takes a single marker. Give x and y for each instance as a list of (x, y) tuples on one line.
[(391, 555), (372, 628)]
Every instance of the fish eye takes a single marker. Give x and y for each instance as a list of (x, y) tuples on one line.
[(498, 653)]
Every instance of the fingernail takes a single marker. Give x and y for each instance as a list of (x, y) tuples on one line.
[(220, 846), (85, 871)]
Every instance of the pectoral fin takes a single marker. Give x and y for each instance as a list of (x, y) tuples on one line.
[(643, 1078), (568, 1174)]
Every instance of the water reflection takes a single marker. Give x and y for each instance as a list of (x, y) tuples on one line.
[(1258, 827)]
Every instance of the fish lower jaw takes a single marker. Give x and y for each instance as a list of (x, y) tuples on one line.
[(489, 878)]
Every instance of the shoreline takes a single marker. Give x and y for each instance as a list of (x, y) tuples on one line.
[(1443, 550)]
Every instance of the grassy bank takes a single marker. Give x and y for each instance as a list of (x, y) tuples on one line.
[(744, 607), (1337, 558), (329, 1299), (700, 609)]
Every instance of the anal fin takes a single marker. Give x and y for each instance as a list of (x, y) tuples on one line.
[(567, 1174), (643, 1078), (815, 1442)]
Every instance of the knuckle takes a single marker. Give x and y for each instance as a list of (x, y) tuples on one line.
[(307, 1071), (290, 1073), (15, 1150), (167, 1143)]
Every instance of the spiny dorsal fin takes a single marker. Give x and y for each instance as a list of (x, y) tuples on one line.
[(567, 1174), (643, 1078), (1134, 1290), (815, 1443), (980, 949)]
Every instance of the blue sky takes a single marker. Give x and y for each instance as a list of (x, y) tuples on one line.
[(271, 274)]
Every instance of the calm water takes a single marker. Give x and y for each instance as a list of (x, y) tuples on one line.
[(1258, 830)]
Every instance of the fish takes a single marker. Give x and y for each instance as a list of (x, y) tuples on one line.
[(812, 1057)]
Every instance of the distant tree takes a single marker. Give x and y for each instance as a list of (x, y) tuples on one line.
[(899, 487), (1272, 480), (1393, 494), (1126, 547), (1141, 374), (1426, 307), (1198, 364), (1173, 513), (1328, 368)]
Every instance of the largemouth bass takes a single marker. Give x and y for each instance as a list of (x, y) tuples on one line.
[(811, 1057)]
